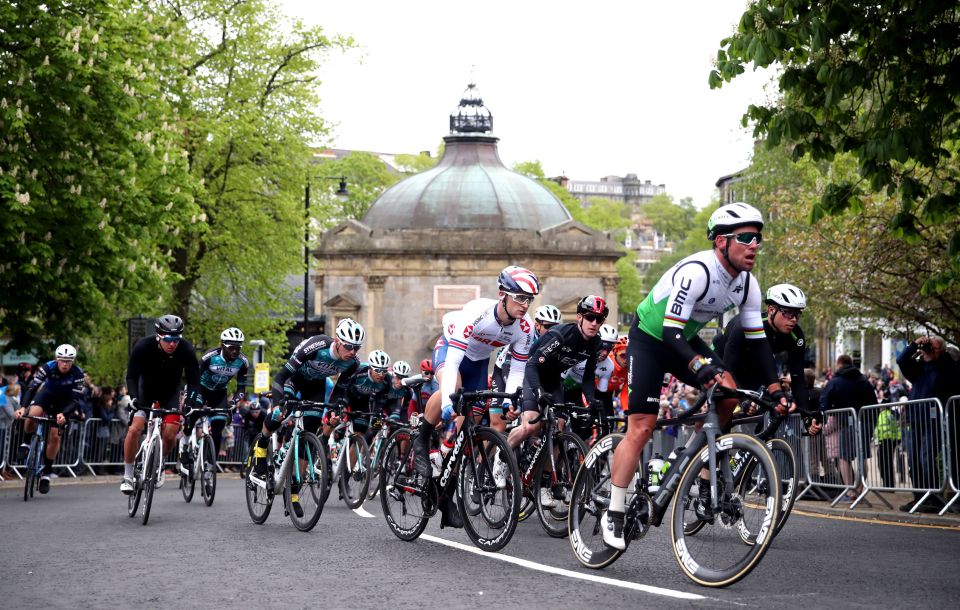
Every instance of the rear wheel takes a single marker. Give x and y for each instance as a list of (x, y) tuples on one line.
[(308, 476), (492, 526), (589, 501), (405, 509), (33, 461), (208, 477), (188, 482), (355, 473), (570, 453), (752, 478), (133, 500), (150, 482), (259, 500)]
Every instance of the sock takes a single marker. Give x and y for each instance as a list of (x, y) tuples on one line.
[(47, 464), (128, 471), (618, 499)]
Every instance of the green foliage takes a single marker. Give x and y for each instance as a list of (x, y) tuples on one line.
[(530, 169), (668, 218), (414, 164), (366, 177), (630, 290), (876, 81), (92, 176), (694, 241), (607, 215)]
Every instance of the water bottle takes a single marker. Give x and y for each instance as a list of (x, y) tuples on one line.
[(654, 468), (449, 434), (666, 464), (436, 460)]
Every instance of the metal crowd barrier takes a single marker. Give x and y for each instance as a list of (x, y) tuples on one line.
[(4, 450), (70, 448)]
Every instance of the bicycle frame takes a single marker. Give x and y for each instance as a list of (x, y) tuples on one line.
[(278, 478), (154, 425)]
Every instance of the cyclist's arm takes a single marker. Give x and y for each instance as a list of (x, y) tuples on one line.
[(242, 378), (135, 373), (519, 355), (343, 382), (283, 381), (35, 382), (191, 370), (589, 387), (798, 382), (689, 283), (456, 350)]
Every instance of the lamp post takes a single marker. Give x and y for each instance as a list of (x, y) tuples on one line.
[(341, 193)]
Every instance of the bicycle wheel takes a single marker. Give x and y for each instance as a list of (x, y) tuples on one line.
[(133, 500), (150, 480), (406, 510), (570, 451), (259, 500), (32, 465), (188, 482), (527, 504), (716, 557), (376, 467), (308, 477), (208, 477), (492, 527), (590, 499), (752, 477), (355, 473)]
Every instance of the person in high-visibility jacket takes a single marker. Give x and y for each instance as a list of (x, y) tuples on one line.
[(887, 434)]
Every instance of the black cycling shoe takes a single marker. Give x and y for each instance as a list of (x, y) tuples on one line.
[(421, 455), (44, 486), (702, 504), (450, 514)]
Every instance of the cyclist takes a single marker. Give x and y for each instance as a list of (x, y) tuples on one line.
[(784, 305), (217, 367), (400, 395), (573, 379), (157, 365), (545, 318), (663, 339), (366, 390), (462, 356), (427, 389), (56, 389), (618, 378), (562, 347), (306, 373)]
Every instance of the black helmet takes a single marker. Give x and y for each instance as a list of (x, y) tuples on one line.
[(169, 325), (593, 304)]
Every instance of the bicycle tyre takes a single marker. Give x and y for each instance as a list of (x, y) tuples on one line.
[(572, 451), (208, 478), (30, 476), (188, 482), (313, 480), (259, 500), (786, 464), (355, 480), (692, 553), (403, 510), (499, 506), (527, 504), (150, 482), (590, 499), (376, 470), (133, 500)]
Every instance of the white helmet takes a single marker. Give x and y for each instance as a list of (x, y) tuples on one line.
[(548, 314), (379, 359), (608, 334), (232, 336), (349, 331), (66, 352), (787, 295), (401, 368), (731, 216)]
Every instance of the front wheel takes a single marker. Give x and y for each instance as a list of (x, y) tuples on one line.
[(570, 452), (32, 466), (188, 482), (590, 500), (208, 476), (489, 512), (133, 500), (355, 472), (405, 507), (307, 481), (715, 557), (259, 499), (154, 463)]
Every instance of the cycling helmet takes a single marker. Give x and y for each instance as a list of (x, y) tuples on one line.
[(66, 352), (232, 336), (730, 216), (593, 304), (786, 295), (608, 335), (169, 325), (620, 345), (426, 366), (518, 281), (401, 368), (349, 331), (548, 314), (379, 359)]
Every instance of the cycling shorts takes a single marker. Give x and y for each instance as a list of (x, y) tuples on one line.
[(530, 402), (473, 373), (52, 403), (171, 403)]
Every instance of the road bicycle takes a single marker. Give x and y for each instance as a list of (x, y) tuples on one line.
[(384, 427), (203, 462), (148, 464), (297, 468), (710, 557), (349, 456), (489, 511), (33, 464)]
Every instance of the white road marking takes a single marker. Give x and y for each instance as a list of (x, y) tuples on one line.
[(360, 511), (540, 567)]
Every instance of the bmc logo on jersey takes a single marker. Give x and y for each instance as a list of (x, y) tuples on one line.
[(524, 326), (467, 330)]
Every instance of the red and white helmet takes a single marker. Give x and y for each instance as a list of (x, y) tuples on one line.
[(518, 280), (593, 304)]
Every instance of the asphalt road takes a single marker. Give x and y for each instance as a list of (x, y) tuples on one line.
[(76, 548)]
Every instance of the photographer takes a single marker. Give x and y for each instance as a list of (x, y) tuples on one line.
[(934, 374)]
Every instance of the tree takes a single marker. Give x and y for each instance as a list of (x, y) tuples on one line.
[(668, 218), (92, 174), (875, 80), (366, 178), (607, 215), (694, 241), (414, 164)]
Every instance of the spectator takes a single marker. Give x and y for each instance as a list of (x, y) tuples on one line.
[(934, 374), (818, 456), (24, 374), (887, 434), (849, 389), (9, 402), (105, 410)]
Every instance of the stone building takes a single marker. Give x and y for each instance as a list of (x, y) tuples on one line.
[(438, 239)]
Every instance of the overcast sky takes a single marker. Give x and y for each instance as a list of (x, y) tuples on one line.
[(588, 88)]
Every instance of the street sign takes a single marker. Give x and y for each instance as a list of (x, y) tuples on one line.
[(261, 378)]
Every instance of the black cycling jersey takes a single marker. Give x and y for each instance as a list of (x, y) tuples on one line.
[(61, 391), (154, 375), (308, 368), (560, 348), (753, 368)]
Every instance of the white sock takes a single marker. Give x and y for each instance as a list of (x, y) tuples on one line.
[(618, 499), (128, 471)]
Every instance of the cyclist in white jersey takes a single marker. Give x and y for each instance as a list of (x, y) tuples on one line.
[(470, 336), (664, 339)]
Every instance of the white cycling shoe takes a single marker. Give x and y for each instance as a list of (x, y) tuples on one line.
[(499, 471), (612, 532), (126, 486)]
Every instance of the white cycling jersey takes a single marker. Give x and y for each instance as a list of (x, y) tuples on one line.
[(601, 373), (475, 332)]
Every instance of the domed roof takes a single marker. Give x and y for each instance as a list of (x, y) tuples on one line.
[(469, 188)]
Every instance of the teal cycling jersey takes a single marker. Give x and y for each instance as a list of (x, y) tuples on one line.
[(311, 363), (216, 371)]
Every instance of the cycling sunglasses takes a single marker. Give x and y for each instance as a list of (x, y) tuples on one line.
[(592, 317), (170, 338), (350, 347), (790, 314), (378, 370), (521, 299), (746, 238)]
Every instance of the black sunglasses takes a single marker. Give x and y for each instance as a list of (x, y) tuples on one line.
[(746, 238), (792, 314), (592, 317)]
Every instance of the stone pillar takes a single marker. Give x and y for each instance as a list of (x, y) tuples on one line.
[(610, 284), (374, 319), (318, 296)]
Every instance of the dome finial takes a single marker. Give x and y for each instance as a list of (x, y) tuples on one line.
[(471, 116)]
